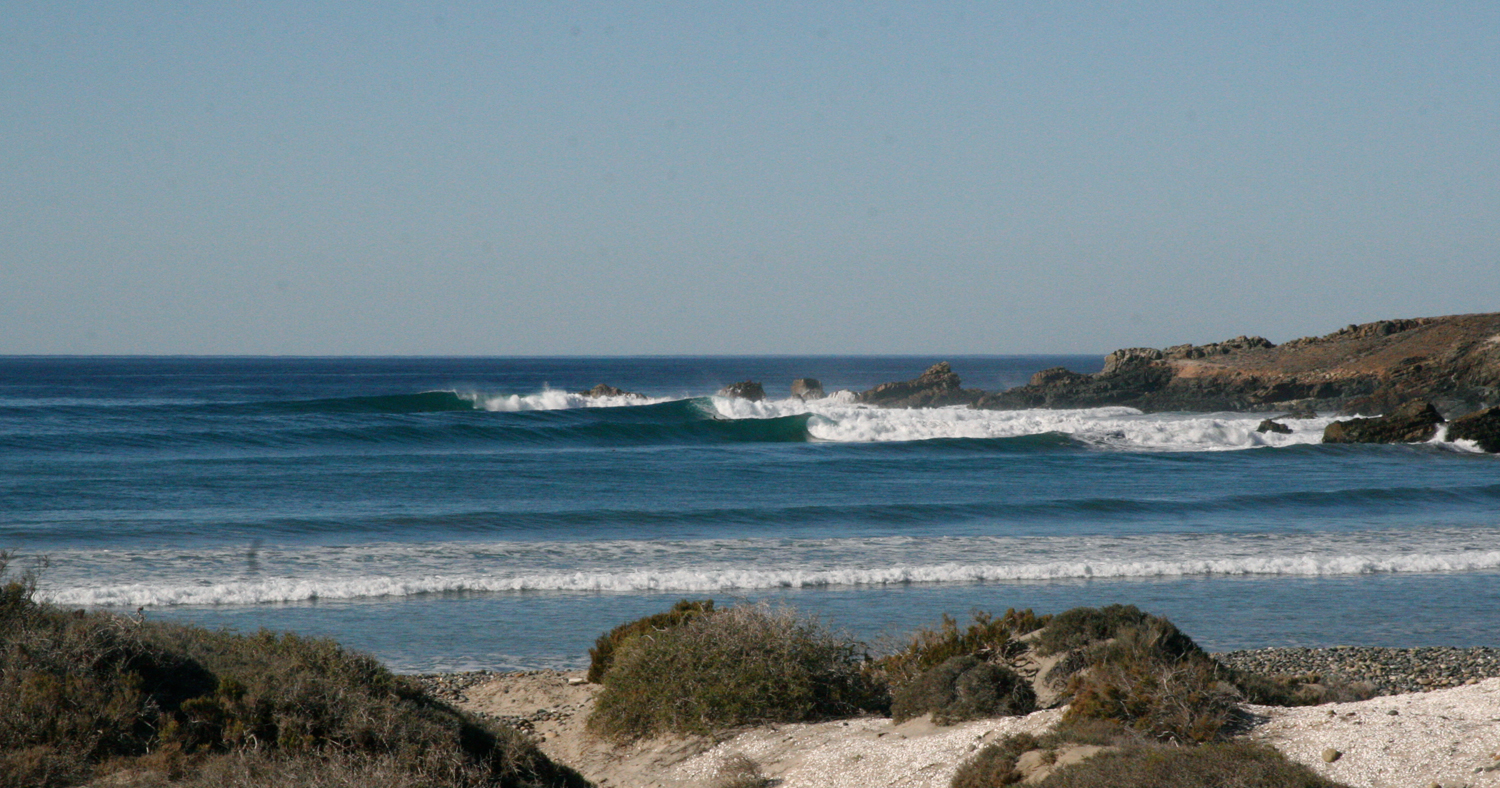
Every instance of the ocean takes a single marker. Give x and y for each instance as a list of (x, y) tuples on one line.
[(466, 513)]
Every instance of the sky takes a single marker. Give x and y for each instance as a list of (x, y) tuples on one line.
[(738, 178)]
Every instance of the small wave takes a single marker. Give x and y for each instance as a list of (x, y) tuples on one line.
[(721, 579)]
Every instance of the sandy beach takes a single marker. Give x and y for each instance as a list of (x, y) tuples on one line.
[(1448, 737)]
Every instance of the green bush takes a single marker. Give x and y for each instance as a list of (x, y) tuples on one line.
[(745, 665), (83, 694), (987, 638), (602, 655), (963, 688)]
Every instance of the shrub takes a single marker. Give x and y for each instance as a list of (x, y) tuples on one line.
[(963, 688), (1136, 680), (739, 771), (742, 666), (1237, 764), (83, 694), (987, 637), (1085, 626), (995, 764), (1129, 762), (602, 655)]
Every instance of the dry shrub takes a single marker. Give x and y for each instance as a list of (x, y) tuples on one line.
[(988, 638), (602, 655), (1136, 680), (1130, 762), (1236, 764), (995, 764), (963, 688), (83, 694), (739, 771), (746, 665), (1082, 627)]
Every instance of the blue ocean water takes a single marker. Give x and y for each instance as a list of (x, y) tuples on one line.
[(458, 513)]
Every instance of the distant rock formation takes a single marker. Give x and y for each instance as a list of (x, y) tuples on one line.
[(937, 387), (1366, 369), (604, 390), (807, 388), (1414, 422), (745, 389)]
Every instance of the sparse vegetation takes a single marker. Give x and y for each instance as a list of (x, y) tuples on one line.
[(1126, 761), (963, 688), (88, 694), (739, 771), (988, 638), (602, 655), (745, 665)]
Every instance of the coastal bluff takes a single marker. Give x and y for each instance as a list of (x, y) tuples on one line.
[(1372, 368)]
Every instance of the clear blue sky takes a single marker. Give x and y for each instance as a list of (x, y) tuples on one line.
[(614, 178)]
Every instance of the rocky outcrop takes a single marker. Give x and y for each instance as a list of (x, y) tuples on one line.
[(1272, 425), (604, 390), (1483, 428), (807, 388), (1414, 422), (1366, 369), (937, 387), (745, 389)]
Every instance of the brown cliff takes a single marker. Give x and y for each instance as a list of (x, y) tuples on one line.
[(1451, 361)]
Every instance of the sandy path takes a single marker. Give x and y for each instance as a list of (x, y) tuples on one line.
[(1448, 736)]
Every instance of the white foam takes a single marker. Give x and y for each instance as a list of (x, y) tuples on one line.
[(1120, 428), (213, 577), (551, 399)]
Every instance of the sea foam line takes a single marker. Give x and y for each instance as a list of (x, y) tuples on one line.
[(712, 579)]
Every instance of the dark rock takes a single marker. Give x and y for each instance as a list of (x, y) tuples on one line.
[(936, 387), (1271, 425), (807, 388), (745, 389), (1483, 428), (1413, 422), (604, 390)]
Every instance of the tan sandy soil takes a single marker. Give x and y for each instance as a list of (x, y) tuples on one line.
[(1447, 736)]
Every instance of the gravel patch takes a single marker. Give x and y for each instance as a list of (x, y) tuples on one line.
[(1391, 671)]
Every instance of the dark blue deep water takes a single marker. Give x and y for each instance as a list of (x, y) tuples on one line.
[(464, 513)]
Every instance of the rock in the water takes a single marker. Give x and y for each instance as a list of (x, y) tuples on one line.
[(1272, 425), (938, 386), (1483, 428), (745, 389), (1413, 422), (605, 390), (807, 388)]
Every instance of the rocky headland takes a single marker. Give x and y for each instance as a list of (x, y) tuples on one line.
[(1452, 362)]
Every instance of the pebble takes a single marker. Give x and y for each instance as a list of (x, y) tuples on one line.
[(1391, 671)]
